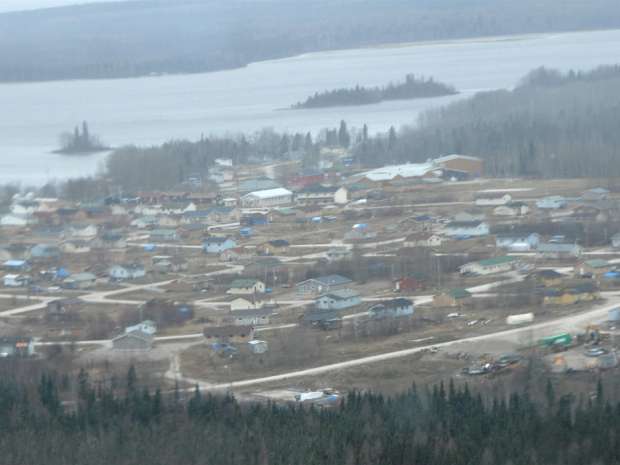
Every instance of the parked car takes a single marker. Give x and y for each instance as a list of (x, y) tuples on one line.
[(595, 352)]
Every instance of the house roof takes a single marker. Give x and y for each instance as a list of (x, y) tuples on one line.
[(216, 240), (341, 294), (269, 193), (135, 334), (459, 293), (596, 263), (464, 224), (497, 260), (81, 277), (279, 243), (329, 280), (252, 312), (227, 331), (320, 315), (555, 247), (549, 274), (243, 283), (318, 189), (407, 170), (456, 156), (393, 303)]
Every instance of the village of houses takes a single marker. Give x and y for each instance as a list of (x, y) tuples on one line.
[(279, 286)]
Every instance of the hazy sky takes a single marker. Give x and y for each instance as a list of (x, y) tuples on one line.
[(14, 5)]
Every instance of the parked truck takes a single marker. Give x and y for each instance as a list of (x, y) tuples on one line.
[(557, 341)]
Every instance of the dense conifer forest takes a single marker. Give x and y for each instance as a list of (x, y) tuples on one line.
[(122, 423), (551, 125), (412, 88)]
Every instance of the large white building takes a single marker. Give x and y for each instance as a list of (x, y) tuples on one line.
[(267, 198), (407, 170)]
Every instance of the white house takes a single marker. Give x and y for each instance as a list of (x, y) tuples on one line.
[(466, 229), (267, 198), (147, 327), (246, 287), (553, 202), (470, 215), (404, 171), (597, 193), (490, 266), (423, 239), (493, 200), (130, 271), (394, 308), (241, 303), (87, 231), (218, 244), (251, 317), (558, 250), (517, 242), (76, 246), (338, 300), (16, 280), (336, 254), (319, 194), (12, 219), (512, 209), (322, 284), (80, 281)]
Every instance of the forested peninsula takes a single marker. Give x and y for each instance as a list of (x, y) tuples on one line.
[(412, 88)]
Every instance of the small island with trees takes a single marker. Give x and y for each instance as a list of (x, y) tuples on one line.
[(80, 142), (412, 88)]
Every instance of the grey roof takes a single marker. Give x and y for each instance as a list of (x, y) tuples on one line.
[(330, 280), (556, 248), (315, 315), (216, 240), (393, 303), (252, 312), (464, 224), (341, 294)]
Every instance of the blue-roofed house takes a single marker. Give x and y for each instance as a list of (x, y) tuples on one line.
[(16, 265)]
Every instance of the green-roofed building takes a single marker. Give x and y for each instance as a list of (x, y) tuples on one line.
[(491, 265), (452, 298)]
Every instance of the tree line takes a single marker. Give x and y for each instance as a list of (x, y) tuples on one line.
[(412, 88), (444, 424)]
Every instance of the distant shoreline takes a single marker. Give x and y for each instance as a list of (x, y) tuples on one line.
[(387, 45), (82, 153)]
